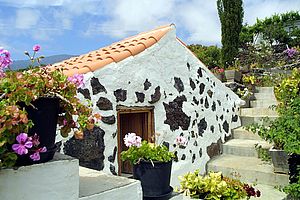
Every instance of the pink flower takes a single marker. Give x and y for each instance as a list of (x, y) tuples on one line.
[(5, 60), (181, 141), (24, 143), (65, 122), (131, 139), (35, 140), (77, 79), (36, 47), (36, 155), (2, 73)]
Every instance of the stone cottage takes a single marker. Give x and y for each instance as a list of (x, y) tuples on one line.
[(151, 83)]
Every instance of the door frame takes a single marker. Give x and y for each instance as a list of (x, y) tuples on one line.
[(149, 110)]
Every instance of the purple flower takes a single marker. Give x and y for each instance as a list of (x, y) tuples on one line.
[(24, 143), (290, 52), (36, 47), (2, 74), (4, 58), (180, 141), (77, 79), (35, 140), (65, 122), (131, 139), (36, 155)]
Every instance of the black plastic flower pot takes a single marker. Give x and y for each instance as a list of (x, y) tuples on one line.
[(44, 115), (294, 167), (155, 178)]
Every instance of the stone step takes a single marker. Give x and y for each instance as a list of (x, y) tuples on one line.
[(95, 185), (264, 96), (247, 169), (241, 133), (242, 147), (265, 90), (257, 111), (250, 119), (262, 103)]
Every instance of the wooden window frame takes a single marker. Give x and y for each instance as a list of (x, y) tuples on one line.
[(135, 109)]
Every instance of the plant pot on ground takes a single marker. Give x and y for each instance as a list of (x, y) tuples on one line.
[(279, 160), (233, 75)]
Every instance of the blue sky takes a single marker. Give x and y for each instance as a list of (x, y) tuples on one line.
[(78, 26)]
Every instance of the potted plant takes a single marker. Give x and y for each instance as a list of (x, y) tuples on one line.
[(152, 164), (214, 186), (249, 82), (245, 95), (32, 103), (233, 74), (219, 73)]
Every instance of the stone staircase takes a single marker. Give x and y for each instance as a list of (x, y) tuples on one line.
[(240, 159)]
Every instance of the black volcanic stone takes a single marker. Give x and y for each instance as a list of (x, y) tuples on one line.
[(156, 96), (200, 152), (109, 119), (226, 126), (88, 150), (120, 94), (140, 97), (201, 101), (178, 84), (199, 72), (193, 134), (147, 84), (210, 93), (202, 86), (175, 116), (188, 66), (96, 86), (212, 128), (176, 156), (219, 102), (192, 84), (214, 149), (213, 107), (112, 169), (183, 157), (195, 100), (235, 118), (206, 104), (85, 92), (202, 125), (114, 134), (104, 104), (113, 156), (193, 158), (221, 117), (195, 143)]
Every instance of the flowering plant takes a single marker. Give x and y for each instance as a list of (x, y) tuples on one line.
[(22, 88), (143, 150), (290, 52), (217, 70), (215, 186)]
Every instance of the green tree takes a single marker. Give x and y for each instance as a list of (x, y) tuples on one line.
[(231, 15), (210, 56)]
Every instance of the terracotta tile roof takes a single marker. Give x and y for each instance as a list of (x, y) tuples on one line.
[(114, 53)]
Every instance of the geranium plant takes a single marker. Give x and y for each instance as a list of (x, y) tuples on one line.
[(215, 186), (19, 89), (143, 150)]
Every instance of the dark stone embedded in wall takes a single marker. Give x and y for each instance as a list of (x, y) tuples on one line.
[(112, 169), (214, 149), (192, 84), (176, 156), (221, 117), (140, 97), (219, 102), (197, 81), (193, 158), (88, 150), (114, 134), (85, 92), (199, 72), (112, 157), (212, 128), (200, 152), (197, 115), (147, 84), (195, 143), (165, 94), (183, 157), (178, 84), (210, 93), (193, 134), (206, 104), (120, 94), (194, 122), (96, 86), (202, 125), (175, 116), (167, 144), (220, 129), (201, 101), (235, 118), (213, 107), (226, 126), (202, 86), (156, 96), (109, 119), (227, 110), (195, 101), (104, 104), (214, 84), (188, 66), (217, 117)]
